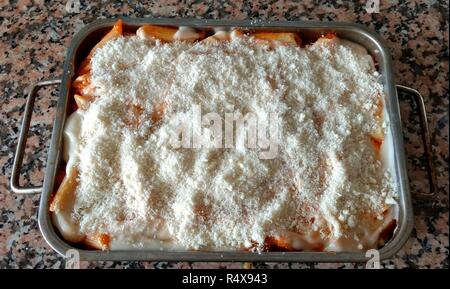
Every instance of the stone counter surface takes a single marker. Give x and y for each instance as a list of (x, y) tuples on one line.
[(34, 36)]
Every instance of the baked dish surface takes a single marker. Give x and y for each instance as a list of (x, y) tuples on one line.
[(315, 180)]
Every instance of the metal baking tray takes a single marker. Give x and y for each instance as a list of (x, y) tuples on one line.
[(80, 46)]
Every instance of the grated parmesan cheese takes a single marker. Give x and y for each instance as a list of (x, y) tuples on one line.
[(324, 184)]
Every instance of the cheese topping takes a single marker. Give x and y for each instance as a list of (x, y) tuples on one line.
[(326, 188)]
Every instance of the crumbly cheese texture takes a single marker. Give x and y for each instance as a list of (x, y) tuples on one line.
[(325, 185)]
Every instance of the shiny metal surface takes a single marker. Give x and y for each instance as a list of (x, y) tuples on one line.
[(18, 156), (426, 140), (88, 37)]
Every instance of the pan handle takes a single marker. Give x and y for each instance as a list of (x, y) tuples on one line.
[(426, 139), (18, 157)]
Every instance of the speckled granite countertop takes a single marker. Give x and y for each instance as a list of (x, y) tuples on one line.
[(35, 34)]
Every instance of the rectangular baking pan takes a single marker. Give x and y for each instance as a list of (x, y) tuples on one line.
[(85, 39)]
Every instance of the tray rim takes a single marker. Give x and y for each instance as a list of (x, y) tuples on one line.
[(405, 223)]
